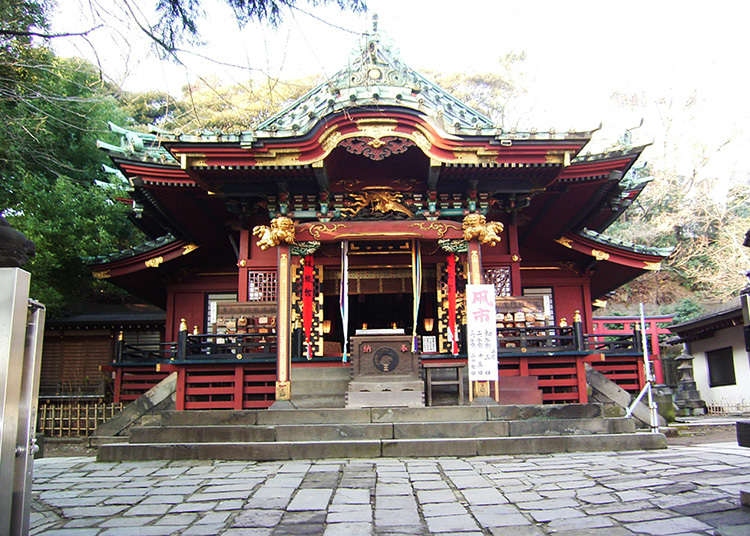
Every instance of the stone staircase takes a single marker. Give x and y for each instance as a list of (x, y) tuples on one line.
[(376, 432)]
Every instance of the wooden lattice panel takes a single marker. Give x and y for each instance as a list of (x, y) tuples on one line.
[(316, 335), (442, 303), (500, 277), (261, 286)]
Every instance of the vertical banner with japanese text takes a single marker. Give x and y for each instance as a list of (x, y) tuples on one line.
[(481, 332)]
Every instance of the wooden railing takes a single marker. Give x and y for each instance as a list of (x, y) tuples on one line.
[(536, 339)]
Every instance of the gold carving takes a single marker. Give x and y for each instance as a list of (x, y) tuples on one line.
[(440, 228), (577, 316), (283, 390), (567, 242), (379, 199), (281, 231), (183, 324), (104, 274), (318, 228), (155, 262), (655, 266), (481, 389), (474, 270), (515, 258), (189, 248), (599, 255), (477, 227)]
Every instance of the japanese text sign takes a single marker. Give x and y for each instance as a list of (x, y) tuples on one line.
[(481, 332)]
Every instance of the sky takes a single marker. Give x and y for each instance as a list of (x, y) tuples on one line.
[(684, 63)]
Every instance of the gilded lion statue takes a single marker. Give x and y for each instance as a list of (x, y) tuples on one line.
[(281, 230), (476, 226)]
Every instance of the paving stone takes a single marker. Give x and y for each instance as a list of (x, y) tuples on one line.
[(183, 519), (348, 529), (395, 518), (163, 499), (361, 514), (548, 504), (634, 495), (71, 532), (443, 509), (150, 530), (233, 504), (612, 508), (248, 532), (522, 496), (395, 502), (544, 516), (675, 525), (471, 481), (132, 521), (430, 484), (257, 518), (484, 496), (213, 518), (193, 507), (303, 529), (203, 530), (83, 522), (604, 498), (351, 496), (435, 496), (517, 531), (310, 499), (92, 511), (499, 516), (693, 509), (455, 523), (578, 523), (393, 489), (740, 516), (640, 515)]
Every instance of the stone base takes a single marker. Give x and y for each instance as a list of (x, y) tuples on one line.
[(484, 401), (283, 404), (391, 391)]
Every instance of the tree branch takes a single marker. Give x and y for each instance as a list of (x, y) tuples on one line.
[(18, 33)]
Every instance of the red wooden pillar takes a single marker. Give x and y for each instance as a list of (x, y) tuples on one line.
[(655, 354), (239, 386), (515, 256), (283, 327), (118, 384), (583, 395), (242, 264), (180, 393)]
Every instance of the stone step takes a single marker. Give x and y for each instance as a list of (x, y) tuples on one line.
[(386, 430), (379, 415), (285, 450)]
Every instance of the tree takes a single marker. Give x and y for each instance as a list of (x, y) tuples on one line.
[(53, 111)]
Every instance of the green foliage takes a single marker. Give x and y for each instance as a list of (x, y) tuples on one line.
[(686, 309), (53, 110)]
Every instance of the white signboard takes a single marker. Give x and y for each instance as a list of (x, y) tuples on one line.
[(481, 332)]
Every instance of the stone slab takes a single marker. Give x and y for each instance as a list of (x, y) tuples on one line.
[(450, 429), (429, 414), (314, 416), (429, 447), (208, 417), (333, 432), (395, 398), (200, 434)]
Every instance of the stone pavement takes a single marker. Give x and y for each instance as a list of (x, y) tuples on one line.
[(679, 490)]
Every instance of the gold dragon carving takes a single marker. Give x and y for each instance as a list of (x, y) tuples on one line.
[(381, 200), (281, 230), (476, 226)]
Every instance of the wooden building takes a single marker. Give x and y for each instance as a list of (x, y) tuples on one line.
[(382, 180)]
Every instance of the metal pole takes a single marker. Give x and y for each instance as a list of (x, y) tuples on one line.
[(14, 294), (649, 376), (27, 420)]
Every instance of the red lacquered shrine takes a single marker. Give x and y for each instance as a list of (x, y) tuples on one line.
[(322, 258)]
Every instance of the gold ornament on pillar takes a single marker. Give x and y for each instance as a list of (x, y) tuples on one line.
[(476, 227), (280, 231)]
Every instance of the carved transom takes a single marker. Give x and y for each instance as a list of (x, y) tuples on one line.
[(377, 148)]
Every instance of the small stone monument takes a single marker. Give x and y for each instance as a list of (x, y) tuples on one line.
[(687, 397)]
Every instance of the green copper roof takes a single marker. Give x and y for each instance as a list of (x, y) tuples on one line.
[(138, 145), (623, 244), (375, 76), (131, 252)]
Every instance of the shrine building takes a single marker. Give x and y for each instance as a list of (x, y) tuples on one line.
[(322, 259)]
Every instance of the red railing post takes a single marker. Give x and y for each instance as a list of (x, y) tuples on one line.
[(583, 395), (180, 393), (239, 386)]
